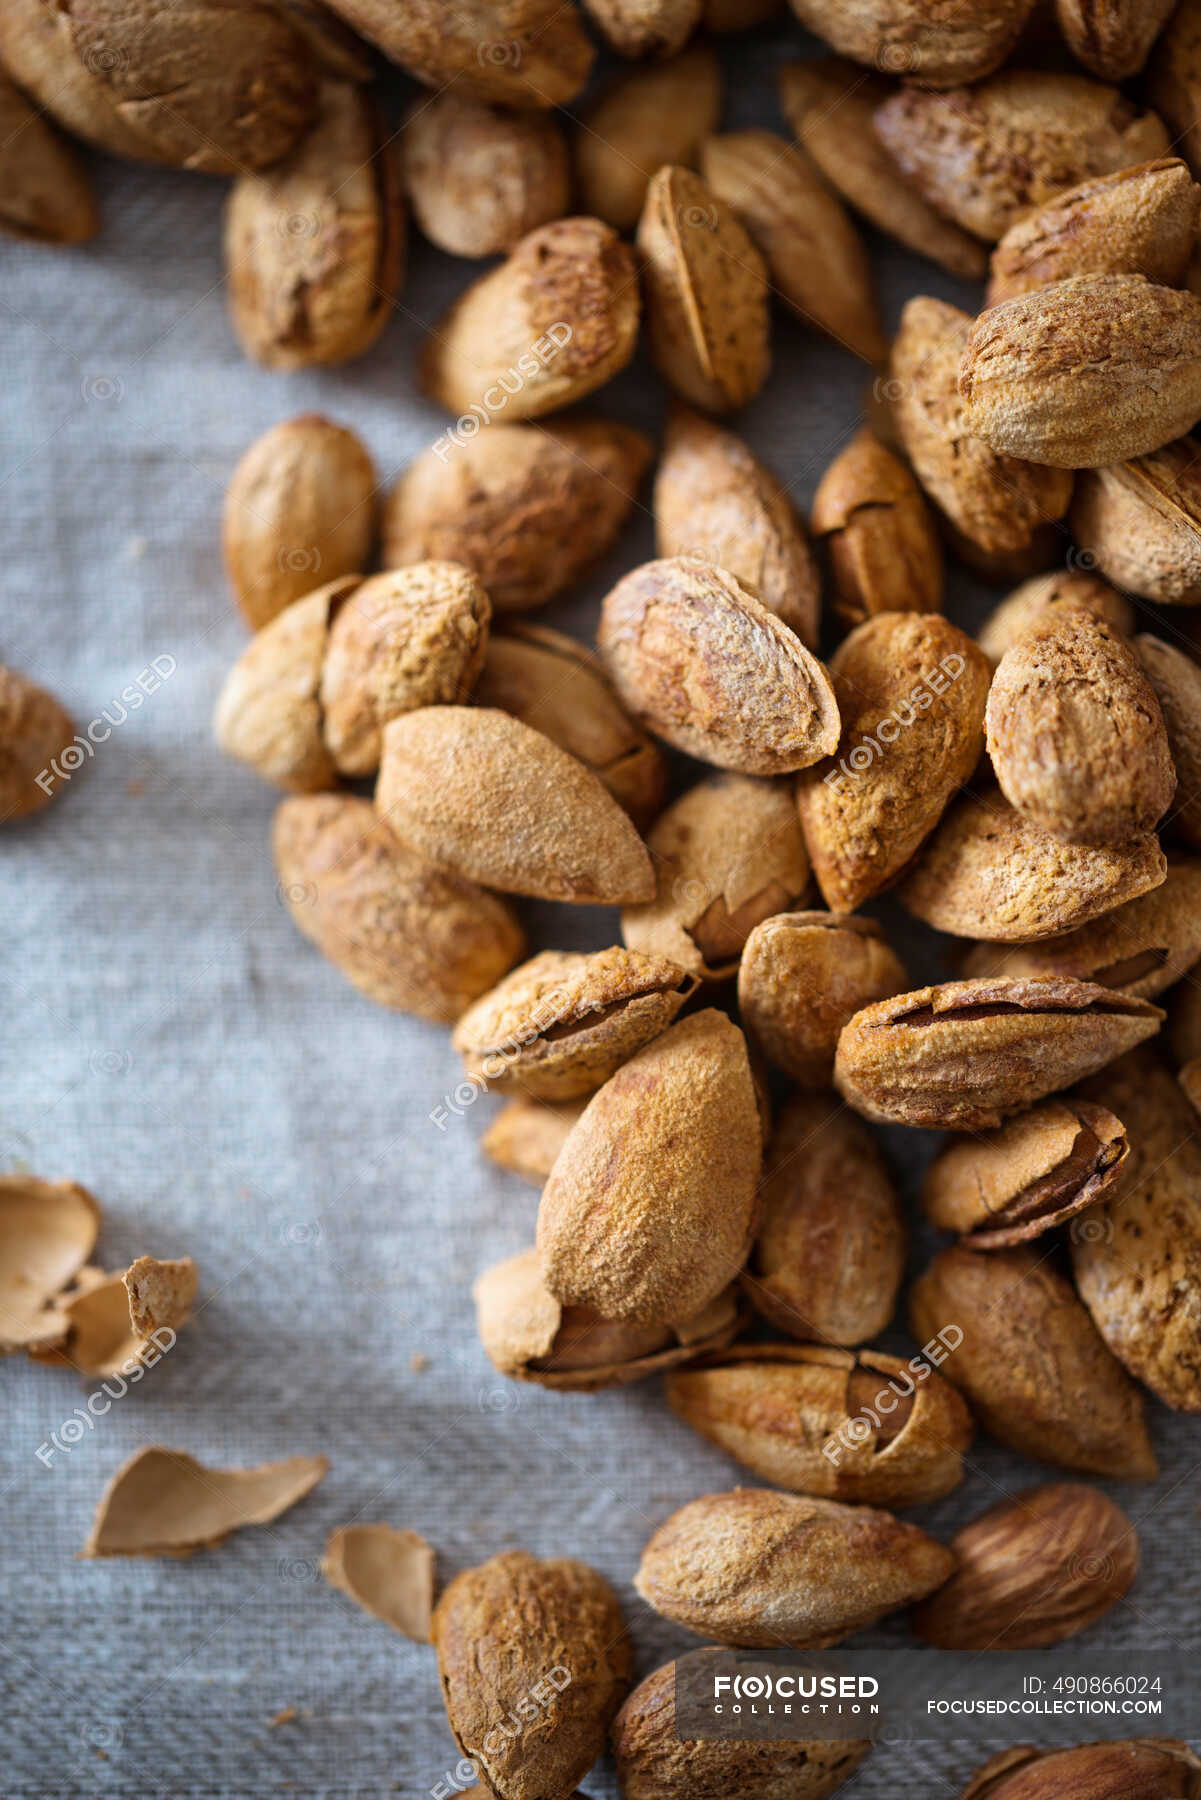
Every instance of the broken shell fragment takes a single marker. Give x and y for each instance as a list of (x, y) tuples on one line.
[(389, 1573), (115, 1322), (527, 1135), (47, 1232), (165, 1503)]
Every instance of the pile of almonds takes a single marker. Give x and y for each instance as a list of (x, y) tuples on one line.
[(695, 1100)]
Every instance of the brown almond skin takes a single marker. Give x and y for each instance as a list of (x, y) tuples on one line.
[(830, 105), (1003, 1187), (986, 154), (1176, 680), (553, 683), (646, 27), (1031, 1363), (529, 1336), (34, 730), (1140, 221), (802, 976), (574, 272), (547, 52), (482, 794), (758, 1568), (997, 501), (776, 1408), (497, 1629), (963, 41), (45, 191), (1112, 38), (479, 177), (655, 1763), (989, 873), (1174, 79), (649, 1209), (1042, 594), (526, 1136), (1075, 734), (1088, 371), (564, 1022), (300, 507), (643, 119), (829, 1252), (706, 292), (878, 532), (715, 500), (1141, 948), (966, 1054), (1141, 522), (1127, 1769), (727, 854), (1031, 1571), (1137, 1256), (406, 934), (527, 507), (410, 638), (707, 667), (815, 257)]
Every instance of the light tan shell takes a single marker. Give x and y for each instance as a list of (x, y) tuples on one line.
[(802, 976), (47, 1232), (1141, 521), (755, 1567), (555, 321), (1140, 221), (778, 1409), (966, 1054), (1158, 1765), (649, 1209), (478, 792), (1112, 37), (479, 177), (1176, 680), (706, 293), (314, 248), (1093, 370), (560, 1025), (389, 1573), (727, 854), (645, 118), (1137, 1256), (410, 638), (165, 1503), (910, 689), (986, 154), (526, 1136), (215, 85), (878, 532), (1030, 1361), (299, 508), (45, 191), (1041, 594), (706, 666), (1002, 1187), (406, 934), (646, 27), (34, 731), (959, 40), (553, 683), (997, 501), (830, 105), (816, 261), (829, 1252), (530, 53), (715, 500), (527, 507), (989, 873), (116, 1322), (1173, 81)]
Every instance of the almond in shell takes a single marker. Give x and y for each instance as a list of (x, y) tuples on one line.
[(1176, 680), (1112, 37), (1174, 76), (961, 41), (644, 119), (34, 731), (1141, 522), (1107, 1771), (45, 193), (646, 27), (526, 1136), (802, 976), (1042, 594), (479, 177), (534, 53), (883, 548)]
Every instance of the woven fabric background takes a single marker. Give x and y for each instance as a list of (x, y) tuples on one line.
[(170, 1041)]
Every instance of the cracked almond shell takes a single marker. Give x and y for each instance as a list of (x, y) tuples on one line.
[(990, 873), (403, 932), (706, 666), (527, 507), (1042, 594), (998, 502), (48, 1230), (706, 293), (527, 53), (166, 1503), (829, 1250), (1141, 522), (1176, 680), (959, 40), (802, 976), (727, 854), (478, 177), (966, 1054), (776, 1408), (754, 1567), (572, 276), (878, 532), (645, 118), (34, 731), (557, 1027), (1031, 1363), (498, 1629), (986, 154), (716, 501), (1116, 1770), (113, 1321), (476, 791), (1001, 1187), (45, 191), (1075, 733), (649, 1210)]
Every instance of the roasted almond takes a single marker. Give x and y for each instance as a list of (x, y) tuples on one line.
[(543, 58), (801, 978), (1112, 37), (883, 548), (1116, 1770), (34, 731), (479, 177), (1061, 589), (1173, 81), (1141, 522), (961, 42), (643, 119), (1176, 680), (45, 193), (646, 27)]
